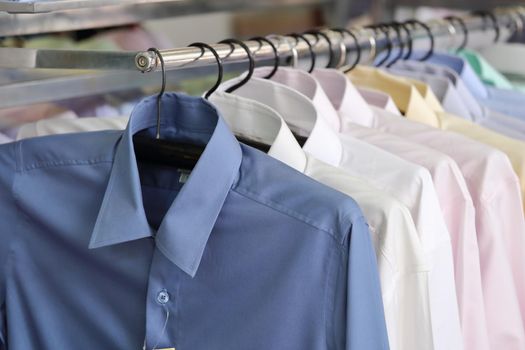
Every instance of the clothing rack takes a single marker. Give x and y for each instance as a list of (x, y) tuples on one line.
[(190, 61)]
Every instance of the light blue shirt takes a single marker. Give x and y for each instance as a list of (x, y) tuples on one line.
[(458, 100), (100, 251), (508, 102), (4, 138)]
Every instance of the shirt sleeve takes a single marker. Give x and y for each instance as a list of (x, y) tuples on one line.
[(360, 295), (7, 224)]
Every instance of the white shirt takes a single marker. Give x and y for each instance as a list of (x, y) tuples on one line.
[(407, 182)]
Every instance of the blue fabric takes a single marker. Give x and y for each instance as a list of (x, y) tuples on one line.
[(246, 253), (504, 101)]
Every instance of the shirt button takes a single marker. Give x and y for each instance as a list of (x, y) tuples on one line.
[(163, 297)]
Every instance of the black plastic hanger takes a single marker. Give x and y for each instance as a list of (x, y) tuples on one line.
[(331, 53), (310, 49), (276, 59), (220, 70), (493, 19), (357, 47), (251, 62), (396, 26), (459, 20), (260, 146), (413, 23), (409, 42), (165, 152)]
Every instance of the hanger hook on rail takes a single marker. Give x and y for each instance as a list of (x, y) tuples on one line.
[(461, 22), (378, 29), (203, 47), (260, 40), (298, 36), (489, 15), (251, 61), (413, 23), (396, 26), (162, 87), (348, 68), (331, 53)]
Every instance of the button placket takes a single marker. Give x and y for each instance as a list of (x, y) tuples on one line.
[(163, 287)]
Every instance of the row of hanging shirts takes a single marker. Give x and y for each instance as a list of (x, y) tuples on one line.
[(185, 238)]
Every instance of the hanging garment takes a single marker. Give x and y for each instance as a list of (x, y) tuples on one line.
[(492, 185), (414, 106), (501, 100), (488, 74), (443, 89), (454, 198), (454, 103), (508, 125), (235, 266), (503, 57), (403, 268), (414, 188), (4, 139), (378, 99)]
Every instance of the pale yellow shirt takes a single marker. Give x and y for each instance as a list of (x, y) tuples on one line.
[(425, 108)]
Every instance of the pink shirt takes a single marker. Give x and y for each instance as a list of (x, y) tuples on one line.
[(454, 198), (495, 193)]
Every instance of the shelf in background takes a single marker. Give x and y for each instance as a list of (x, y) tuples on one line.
[(33, 17)]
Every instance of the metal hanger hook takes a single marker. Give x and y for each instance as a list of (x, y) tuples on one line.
[(251, 61), (260, 40), (203, 47), (298, 36), (162, 87), (451, 31), (461, 22), (348, 68), (293, 49), (495, 25), (381, 28), (325, 36)]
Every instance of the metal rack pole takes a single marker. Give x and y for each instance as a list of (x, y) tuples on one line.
[(191, 62)]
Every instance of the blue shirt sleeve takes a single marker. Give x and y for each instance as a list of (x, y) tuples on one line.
[(360, 303), (8, 220)]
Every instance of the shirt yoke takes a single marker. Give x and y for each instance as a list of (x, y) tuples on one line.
[(290, 192)]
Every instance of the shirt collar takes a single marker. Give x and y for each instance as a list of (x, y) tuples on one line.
[(344, 97), (259, 122), (439, 85), (308, 85), (186, 227), (404, 94), (300, 114), (484, 69), (463, 69), (378, 99), (457, 85)]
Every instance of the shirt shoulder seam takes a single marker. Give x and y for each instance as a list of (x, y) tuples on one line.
[(291, 213), (62, 163)]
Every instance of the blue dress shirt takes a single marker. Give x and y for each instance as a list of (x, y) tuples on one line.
[(100, 251)]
